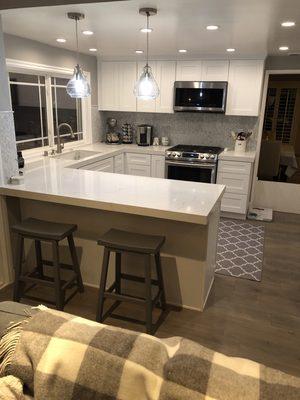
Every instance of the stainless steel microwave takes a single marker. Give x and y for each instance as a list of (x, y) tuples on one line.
[(200, 96)]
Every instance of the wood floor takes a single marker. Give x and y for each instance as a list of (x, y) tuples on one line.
[(257, 320)]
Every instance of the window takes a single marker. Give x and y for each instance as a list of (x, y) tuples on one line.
[(41, 106)]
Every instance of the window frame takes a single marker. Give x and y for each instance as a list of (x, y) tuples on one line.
[(48, 72)]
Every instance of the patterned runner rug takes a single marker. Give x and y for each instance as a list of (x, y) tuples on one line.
[(240, 249)]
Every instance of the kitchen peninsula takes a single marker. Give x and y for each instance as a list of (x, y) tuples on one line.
[(187, 213)]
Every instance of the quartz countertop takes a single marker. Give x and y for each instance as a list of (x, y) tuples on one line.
[(48, 179), (231, 155)]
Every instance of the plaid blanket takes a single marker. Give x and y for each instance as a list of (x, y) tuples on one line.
[(60, 356)]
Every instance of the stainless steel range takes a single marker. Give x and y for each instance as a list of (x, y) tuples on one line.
[(192, 163)]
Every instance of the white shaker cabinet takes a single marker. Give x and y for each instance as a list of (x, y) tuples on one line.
[(236, 176), (119, 167), (138, 164), (127, 78), (116, 82), (189, 71), (106, 165), (165, 76), (158, 166), (108, 86), (244, 87), (215, 70)]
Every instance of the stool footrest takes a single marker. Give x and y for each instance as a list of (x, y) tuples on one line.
[(135, 278), (122, 297), (62, 265)]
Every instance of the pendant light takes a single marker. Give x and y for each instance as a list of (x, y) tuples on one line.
[(78, 86), (146, 88)]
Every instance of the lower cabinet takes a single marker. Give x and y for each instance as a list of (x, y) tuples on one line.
[(158, 166), (106, 165), (236, 176), (131, 164), (119, 167)]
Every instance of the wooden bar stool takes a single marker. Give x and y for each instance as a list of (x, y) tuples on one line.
[(120, 241), (52, 232)]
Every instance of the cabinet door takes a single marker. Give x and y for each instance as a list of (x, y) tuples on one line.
[(166, 72), (244, 87), (235, 203), (138, 169), (235, 183), (108, 86), (189, 71), (137, 158), (119, 164), (146, 105), (106, 165), (158, 166), (127, 78), (215, 70)]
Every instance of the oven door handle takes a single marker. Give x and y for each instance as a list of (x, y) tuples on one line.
[(190, 164)]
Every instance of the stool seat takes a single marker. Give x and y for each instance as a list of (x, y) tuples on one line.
[(36, 228), (132, 242)]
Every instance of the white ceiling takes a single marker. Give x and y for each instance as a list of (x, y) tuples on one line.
[(250, 26)]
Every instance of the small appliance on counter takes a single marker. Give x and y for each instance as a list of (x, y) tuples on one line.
[(241, 139), (144, 135), (127, 133), (112, 136)]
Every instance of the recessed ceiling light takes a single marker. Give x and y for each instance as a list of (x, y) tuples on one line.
[(212, 27), (230, 50), (93, 49), (61, 40), (139, 51), (87, 33), (146, 30), (288, 24), (284, 48), (182, 51)]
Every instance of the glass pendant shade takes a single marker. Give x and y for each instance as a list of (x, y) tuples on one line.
[(78, 86), (146, 88)]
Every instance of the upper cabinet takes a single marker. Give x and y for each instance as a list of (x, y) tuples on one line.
[(206, 70), (165, 76), (189, 71), (215, 70), (244, 87), (116, 82)]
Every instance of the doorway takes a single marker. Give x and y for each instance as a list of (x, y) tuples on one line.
[(278, 151)]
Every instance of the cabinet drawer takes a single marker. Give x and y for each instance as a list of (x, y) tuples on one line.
[(102, 166), (119, 164), (235, 183), (139, 170), (235, 203), (235, 167), (142, 159)]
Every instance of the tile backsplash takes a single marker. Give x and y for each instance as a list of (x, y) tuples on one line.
[(189, 128)]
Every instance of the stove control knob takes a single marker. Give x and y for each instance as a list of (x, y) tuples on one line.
[(176, 154), (169, 153), (201, 156), (206, 156), (212, 156)]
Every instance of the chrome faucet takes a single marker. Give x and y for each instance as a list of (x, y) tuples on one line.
[(60, 145)]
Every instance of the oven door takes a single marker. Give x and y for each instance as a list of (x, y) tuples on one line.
[(183, 171)]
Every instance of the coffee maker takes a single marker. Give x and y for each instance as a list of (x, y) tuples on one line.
[(144, 135)]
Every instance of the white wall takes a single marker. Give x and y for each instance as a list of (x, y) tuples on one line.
[(32, 51)]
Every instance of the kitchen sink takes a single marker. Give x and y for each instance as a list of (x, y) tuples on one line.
[(77, 154)]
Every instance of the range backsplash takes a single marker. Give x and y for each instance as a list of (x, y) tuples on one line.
[(189, 128)]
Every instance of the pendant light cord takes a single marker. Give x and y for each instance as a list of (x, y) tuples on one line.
[(77, 43), (147, 61)]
